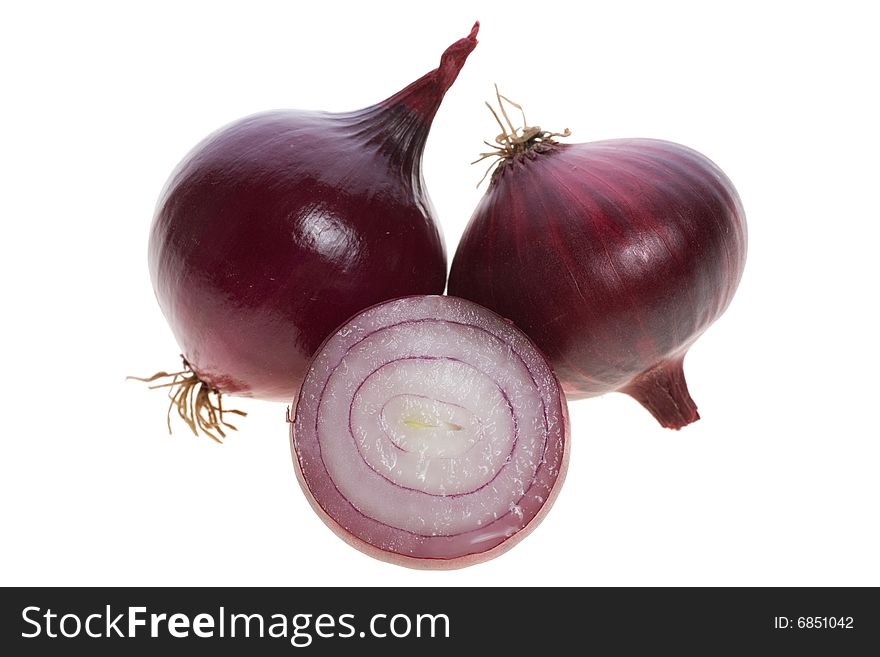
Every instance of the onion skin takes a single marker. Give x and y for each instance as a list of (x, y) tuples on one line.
[(614, 257), (380, 511), (277, 227)]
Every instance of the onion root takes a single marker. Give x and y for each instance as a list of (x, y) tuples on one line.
[(514, 142), (198, 404)]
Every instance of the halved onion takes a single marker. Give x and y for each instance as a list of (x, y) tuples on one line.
[(430, 432)]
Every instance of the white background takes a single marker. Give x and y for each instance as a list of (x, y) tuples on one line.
[(777, 485)]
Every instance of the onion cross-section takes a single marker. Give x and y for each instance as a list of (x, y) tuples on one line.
[(430, 432)]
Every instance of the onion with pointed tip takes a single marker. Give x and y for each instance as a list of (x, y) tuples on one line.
[(279, 226)]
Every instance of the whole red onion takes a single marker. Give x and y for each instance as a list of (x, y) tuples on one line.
[(614, 256), (277, 227), (431, 433)]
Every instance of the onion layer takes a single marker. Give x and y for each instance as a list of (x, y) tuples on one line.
[(430, 432), (278, 227), (613, 256)]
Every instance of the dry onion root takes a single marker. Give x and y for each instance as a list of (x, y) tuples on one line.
[(430, 432), (198, 404)]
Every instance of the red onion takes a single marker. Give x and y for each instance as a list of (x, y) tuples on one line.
[(430, 432), (613, 256), (276, 228)]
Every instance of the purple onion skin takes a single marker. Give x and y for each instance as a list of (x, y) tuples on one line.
[(614, 257), (277, 227)]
